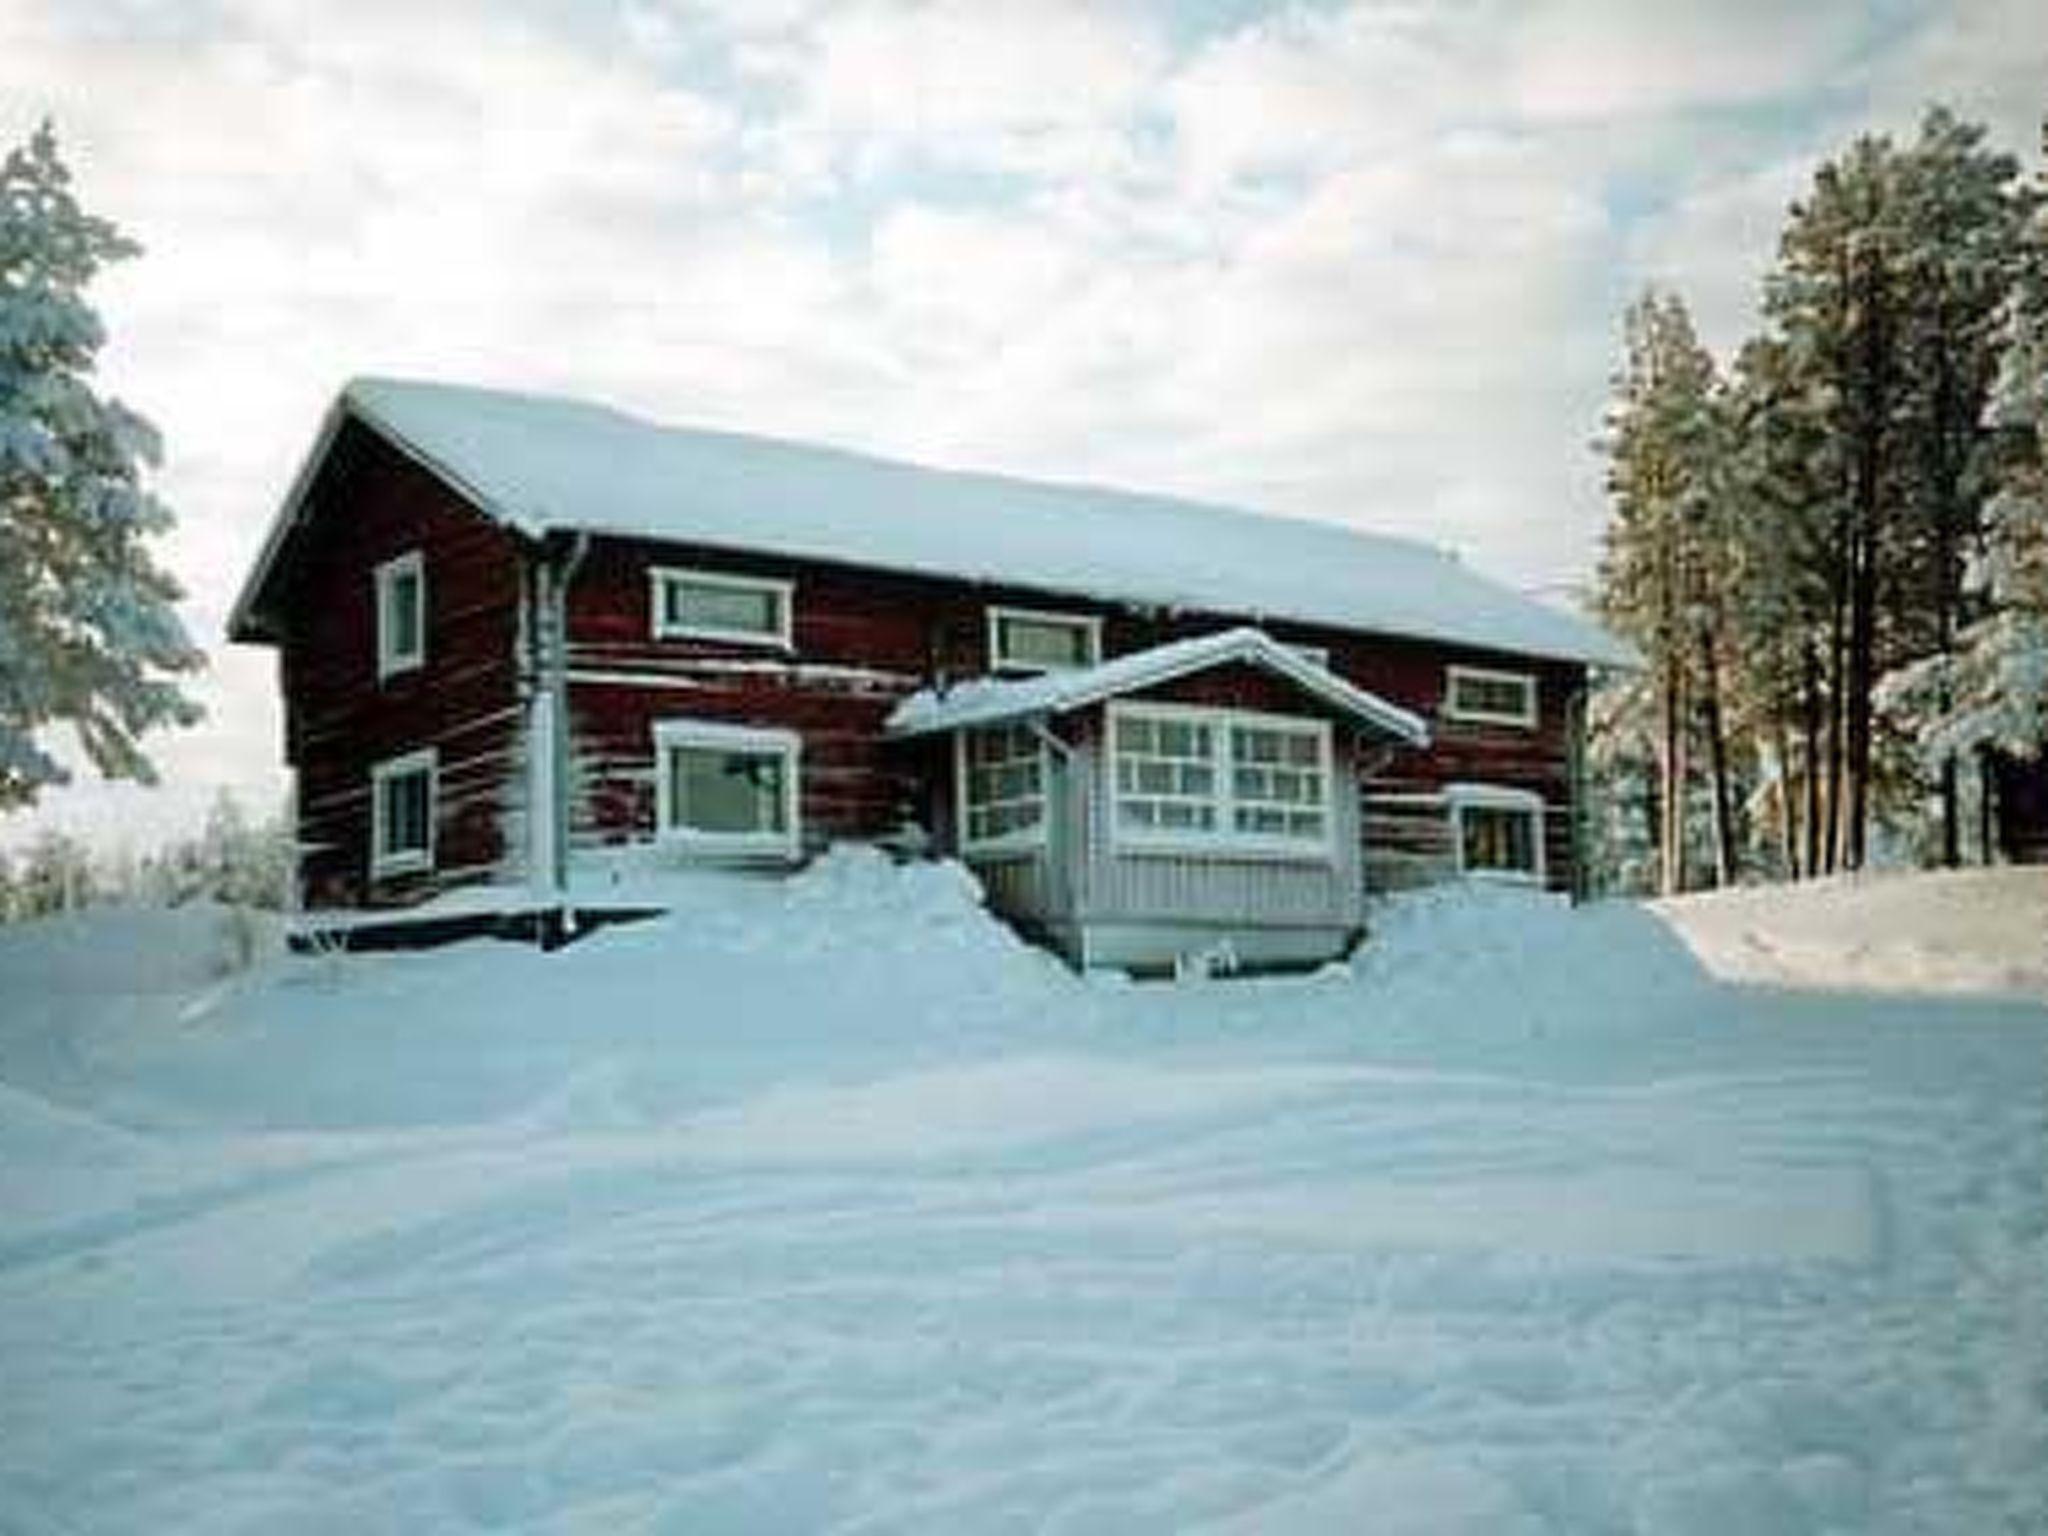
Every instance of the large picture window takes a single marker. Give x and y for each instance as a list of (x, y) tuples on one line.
[(402, 813), (401, 594), (1027, 640), (709, 605), (1498, 831), (1214, 780), (1489, 697), (726, 789)]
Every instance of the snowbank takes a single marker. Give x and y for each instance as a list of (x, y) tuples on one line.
[(1954, 931), (826, 1205)]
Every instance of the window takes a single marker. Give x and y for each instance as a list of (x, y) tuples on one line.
[(1498, 831), (726, 788), (402, 814), (1002, 787), (1492, 698), (1277, 781), (401, 615), (704, 605), (1219, 780), (1021, 639)]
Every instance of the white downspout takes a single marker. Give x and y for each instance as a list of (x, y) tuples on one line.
[(547, 727)]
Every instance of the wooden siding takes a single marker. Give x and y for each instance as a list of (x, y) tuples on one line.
[(369, 505), (861, 639), (858, 644)]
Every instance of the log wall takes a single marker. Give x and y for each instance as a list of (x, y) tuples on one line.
[(369, 505)]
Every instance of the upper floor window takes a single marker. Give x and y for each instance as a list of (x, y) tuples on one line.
[(1028, 640), (1490, 698), (402, 813), (710, 605), (401, 614)]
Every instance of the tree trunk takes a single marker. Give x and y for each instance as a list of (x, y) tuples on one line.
[(1717, 762), (1788, 806), (1873, 396), (1838, 653), (1672, 859), (1810, 727)]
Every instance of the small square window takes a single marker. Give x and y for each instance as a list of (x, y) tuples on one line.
[(401, 615), (1498, 832), (709, 605)]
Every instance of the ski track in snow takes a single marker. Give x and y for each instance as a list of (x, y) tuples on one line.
[(1443, 1247)]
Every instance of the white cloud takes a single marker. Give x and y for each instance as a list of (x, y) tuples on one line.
[(1579, 59), (1360, 262)]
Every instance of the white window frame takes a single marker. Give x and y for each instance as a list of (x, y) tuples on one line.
[(390, 660), (1455, 674), (659, 577), (1224, 841), (718, 735), (1022, 840), (1088, 623), (405, 860), (1314, 655), (1498, 797)]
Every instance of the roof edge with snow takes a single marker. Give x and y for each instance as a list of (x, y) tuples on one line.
[(996, 701), (539, 465)]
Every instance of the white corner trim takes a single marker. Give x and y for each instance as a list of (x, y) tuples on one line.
[(684, 732), (783, 591), (391, 661), (1456, 673), (1090, 623), (409, 860)]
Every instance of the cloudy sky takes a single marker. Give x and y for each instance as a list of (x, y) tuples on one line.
[(1360, 262)]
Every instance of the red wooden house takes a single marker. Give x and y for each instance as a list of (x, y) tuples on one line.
[(514, 630)]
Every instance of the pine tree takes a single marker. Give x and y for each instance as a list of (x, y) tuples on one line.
[(1961, 221), (1658, 580), (1990, 691), (88, 635)]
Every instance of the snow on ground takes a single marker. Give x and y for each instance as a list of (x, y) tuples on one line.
[(826, 1205), (1954, 931)]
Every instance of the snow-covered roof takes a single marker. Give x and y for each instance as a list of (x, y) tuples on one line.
[(990, 701), (541, 464)]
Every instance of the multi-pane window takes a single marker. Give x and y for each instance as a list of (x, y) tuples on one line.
[(1166, 773), (1499, 831), (708, 605), (1495, 698), (401, 589), (1208, 777), (402, 814), (1021, 639), (1277, 781), (726, 787), (1003, 786)]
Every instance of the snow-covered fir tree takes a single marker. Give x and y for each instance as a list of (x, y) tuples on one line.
[(1991, 693), (88, 635)]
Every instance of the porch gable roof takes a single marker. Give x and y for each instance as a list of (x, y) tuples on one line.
[(996, 701)]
